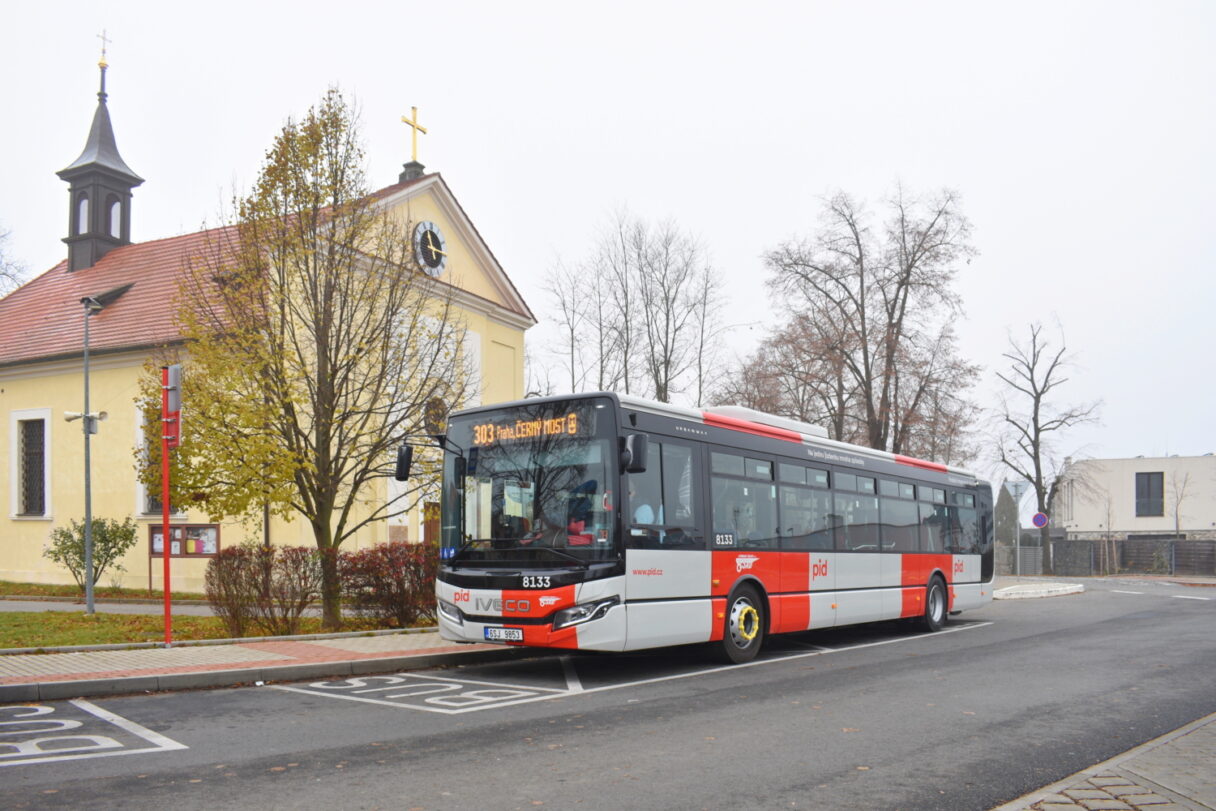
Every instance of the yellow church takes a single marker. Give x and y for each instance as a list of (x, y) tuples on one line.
[(121, 296)]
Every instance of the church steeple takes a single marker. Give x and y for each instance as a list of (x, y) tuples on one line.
[(100, 183)]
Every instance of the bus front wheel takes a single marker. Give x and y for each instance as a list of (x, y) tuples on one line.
[(743, 626), (936, 604)]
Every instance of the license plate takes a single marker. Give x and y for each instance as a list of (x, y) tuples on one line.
[(504, 634)]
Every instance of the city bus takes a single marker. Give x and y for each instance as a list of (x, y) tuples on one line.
[(605, 522)]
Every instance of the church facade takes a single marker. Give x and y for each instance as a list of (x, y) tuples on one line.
[(122, 296)]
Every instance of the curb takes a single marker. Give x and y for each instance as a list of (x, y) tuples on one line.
[(194, 643), (168, 682), (1027, 591), (1027, 800)]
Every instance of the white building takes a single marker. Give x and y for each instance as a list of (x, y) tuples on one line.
[(1144, 497)]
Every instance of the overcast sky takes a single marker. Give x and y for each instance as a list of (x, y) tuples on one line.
[(1080, 137)]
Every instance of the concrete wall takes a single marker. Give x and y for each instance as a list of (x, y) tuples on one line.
[(1099, 498)]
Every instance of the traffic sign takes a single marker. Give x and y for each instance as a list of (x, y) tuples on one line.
[(1039, 520)]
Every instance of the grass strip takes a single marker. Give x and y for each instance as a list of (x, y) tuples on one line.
[(45, 629), (73, 592)]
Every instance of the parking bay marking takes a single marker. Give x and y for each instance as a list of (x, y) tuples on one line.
[(35, 721), (445, 695)]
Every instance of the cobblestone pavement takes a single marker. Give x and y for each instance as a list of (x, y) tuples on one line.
[(1174, 772)]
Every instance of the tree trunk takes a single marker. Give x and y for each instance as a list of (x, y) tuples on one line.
[(331, 591)]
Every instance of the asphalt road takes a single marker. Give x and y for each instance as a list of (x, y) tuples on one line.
[(1009, 699)]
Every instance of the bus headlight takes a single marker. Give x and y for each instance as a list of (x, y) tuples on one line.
[(451, 612), (586, 612)]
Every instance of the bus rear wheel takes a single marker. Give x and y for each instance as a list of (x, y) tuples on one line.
[(743, 626), (935, 606)]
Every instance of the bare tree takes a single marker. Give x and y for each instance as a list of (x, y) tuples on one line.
[(537, 381), (930, 417), (1178, 490), (876, 303), (639, 314), (569, 289), (12, 272), (796, 373), (1031, 419)]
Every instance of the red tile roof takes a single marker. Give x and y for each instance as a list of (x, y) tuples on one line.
[(44, 319)]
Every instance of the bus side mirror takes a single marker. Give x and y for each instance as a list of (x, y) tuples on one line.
[(633, 455), (405, 458)]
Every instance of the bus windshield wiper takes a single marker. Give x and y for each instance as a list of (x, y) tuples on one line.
[(466, 546), (560, 554)]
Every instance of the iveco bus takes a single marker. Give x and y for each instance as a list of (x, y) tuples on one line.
[(606, 522)]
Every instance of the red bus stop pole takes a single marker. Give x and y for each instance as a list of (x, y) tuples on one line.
[(166, 543)]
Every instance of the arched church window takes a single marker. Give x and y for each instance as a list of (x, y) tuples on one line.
[(115, 215), (82, 214)]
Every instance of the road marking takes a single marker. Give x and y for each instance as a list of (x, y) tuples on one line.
[(427, 693), (1189, 597), (448, 696), (35, 746), (1118, 591), (573, 684)]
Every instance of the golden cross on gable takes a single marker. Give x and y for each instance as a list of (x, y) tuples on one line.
[(415, 129), (104, 42)]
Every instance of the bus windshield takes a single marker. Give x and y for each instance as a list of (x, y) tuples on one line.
[(536, 477)]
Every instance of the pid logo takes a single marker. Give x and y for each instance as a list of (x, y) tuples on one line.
[(462, 596), (819, 569), (958, 567)]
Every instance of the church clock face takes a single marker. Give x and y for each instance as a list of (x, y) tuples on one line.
[(430, 248)]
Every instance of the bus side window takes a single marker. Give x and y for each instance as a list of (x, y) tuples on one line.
[(805, 521), (931, 523), (747, 510), (679, 493), (646, 489), (664, 501), (899, 525), (858, 527)]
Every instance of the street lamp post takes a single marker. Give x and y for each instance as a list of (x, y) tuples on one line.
[(91, 306), (1017, 489)]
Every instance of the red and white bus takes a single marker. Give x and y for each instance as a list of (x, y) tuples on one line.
[(610, 523)]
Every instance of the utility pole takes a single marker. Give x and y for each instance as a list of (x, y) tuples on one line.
[(1017, 488)]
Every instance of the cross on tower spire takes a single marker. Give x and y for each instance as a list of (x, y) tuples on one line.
[(415, 128), (413, 169), (103, 64)]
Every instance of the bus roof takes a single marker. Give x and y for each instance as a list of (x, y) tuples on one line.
[(746, 420)]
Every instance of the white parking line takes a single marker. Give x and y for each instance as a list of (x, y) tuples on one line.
[(54, 748), (1189, 597), (1120, 591), (453, 701), (573, 684)]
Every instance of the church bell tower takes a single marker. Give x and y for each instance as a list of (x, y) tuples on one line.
[(100, 183)]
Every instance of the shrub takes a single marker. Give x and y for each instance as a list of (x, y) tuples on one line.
[(289, 579), (229, 584), (111, 540), (392, 582), (266, 587)]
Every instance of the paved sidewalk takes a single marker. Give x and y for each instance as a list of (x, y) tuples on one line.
[(45, 676), (1174, 772)]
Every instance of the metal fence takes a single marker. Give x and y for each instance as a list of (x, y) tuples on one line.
[(1030, 560), (1135, 556)]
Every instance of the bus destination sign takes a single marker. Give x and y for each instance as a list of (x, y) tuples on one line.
[(487, 433)]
